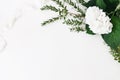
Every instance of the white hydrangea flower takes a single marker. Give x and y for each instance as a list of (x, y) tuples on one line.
[(98, 21)]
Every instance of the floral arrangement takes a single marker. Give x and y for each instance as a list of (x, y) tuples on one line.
[(95, 17)]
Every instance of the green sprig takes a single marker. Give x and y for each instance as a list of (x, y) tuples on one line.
[(59, 3), (51, 20), (72, 22), (49, 7), (77, 29), (70, 2), (81, 1)]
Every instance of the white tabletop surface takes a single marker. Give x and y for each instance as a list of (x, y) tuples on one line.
[(51, 52)]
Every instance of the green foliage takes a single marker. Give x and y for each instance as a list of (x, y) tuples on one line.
[(77, 29), (111, 5), (90, 3), (59, 3), (89, 31), (113, 39), (114, 1), (63, 13), (81, 1), (49, 7), (72, 22), (70, 2), (51, 20), (101, 4), (75, 24), (116, 55)]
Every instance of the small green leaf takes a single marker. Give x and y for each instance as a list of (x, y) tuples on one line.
[(49, 7), (89, 31), (90, 3), (101, 4), (51, 20), (113, 39)]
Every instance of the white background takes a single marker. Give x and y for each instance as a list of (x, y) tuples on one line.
[(51, 52)]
